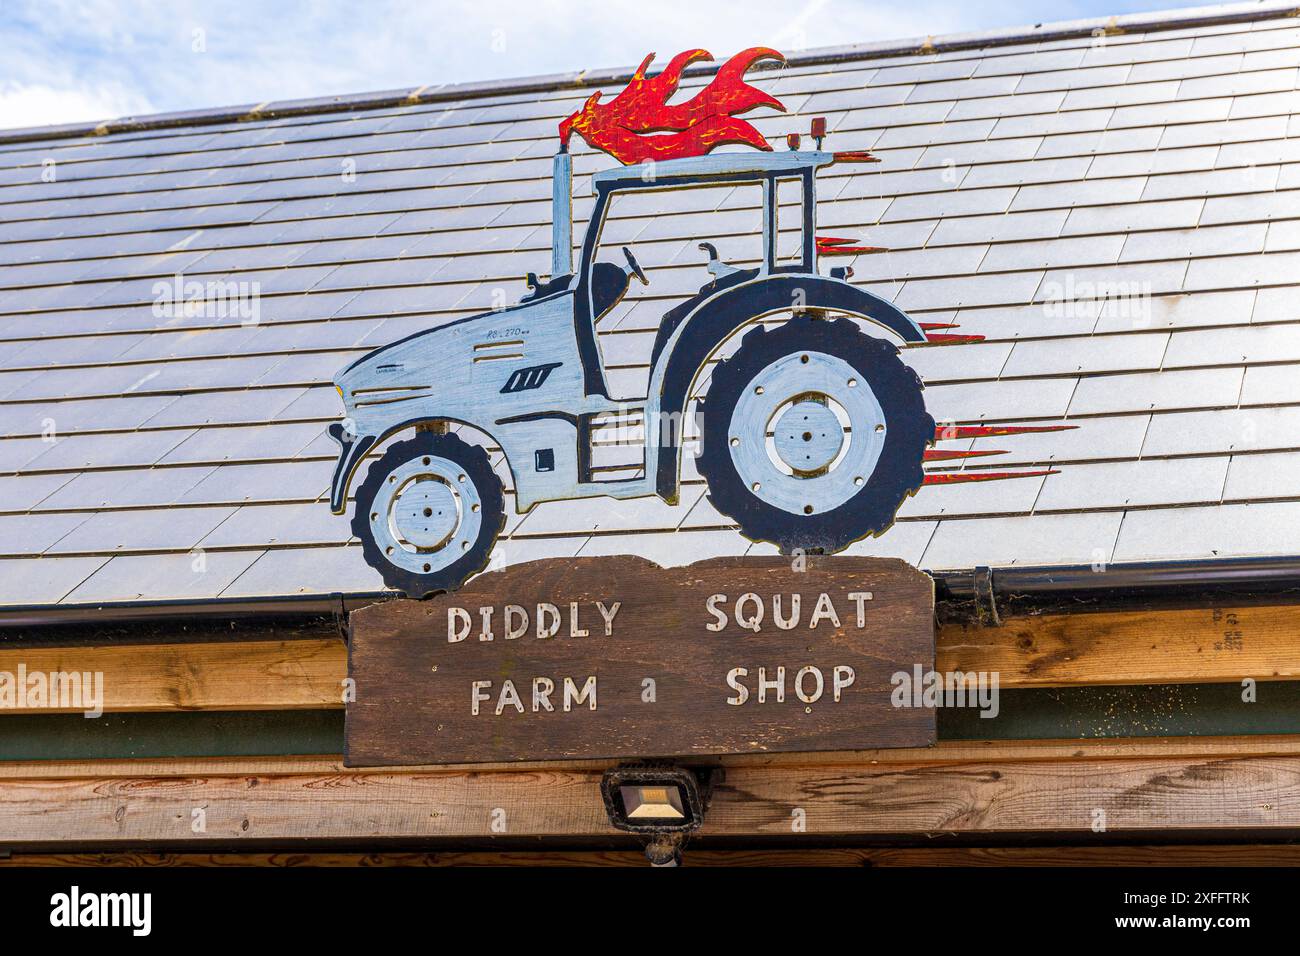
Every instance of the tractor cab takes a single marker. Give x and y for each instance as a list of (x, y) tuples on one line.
[(774, 182), (769, 171)]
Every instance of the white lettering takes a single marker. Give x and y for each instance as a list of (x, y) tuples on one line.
[(742, 692), (573, 697), (543, 687), (860, 598), (824, 609), (548, 629), (720, 619), (608, 614), (509, 696), (793, 620), (778, 685), (843, 676), (476, 695), (798, 684), (754, 621), (458, 624), (513, 631), (574, 630)]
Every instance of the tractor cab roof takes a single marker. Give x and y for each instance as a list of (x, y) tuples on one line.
[(715, 166)]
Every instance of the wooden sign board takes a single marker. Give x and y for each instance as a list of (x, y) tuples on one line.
[(619, 658)]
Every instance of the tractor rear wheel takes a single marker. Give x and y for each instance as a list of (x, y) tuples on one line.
[(814, 434)]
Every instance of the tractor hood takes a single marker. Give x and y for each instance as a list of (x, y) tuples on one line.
[(444, 372), (473, 371)]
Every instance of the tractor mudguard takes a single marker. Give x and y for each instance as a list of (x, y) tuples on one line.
[(705, 330), (352, 449), (683, 310)]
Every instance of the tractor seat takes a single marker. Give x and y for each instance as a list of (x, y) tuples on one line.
[(608, 286)]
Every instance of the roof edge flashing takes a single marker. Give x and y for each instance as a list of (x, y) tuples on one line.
[(583, 79)]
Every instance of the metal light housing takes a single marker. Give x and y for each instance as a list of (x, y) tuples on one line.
[(653, 800)]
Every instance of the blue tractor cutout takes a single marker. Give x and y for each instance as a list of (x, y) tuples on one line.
[(811, 435)]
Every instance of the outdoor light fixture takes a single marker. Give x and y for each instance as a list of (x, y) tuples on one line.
[(656, 803), (661, 803)]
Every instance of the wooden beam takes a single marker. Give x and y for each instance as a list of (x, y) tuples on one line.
[(945, 753), (1189, 855), (1006, 792), (1143, 647), (1149, 647), (245, 675)]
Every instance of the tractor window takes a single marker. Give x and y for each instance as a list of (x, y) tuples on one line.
[(664, 229), (789, 222)]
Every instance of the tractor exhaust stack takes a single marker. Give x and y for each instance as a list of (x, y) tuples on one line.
[(562, 214)]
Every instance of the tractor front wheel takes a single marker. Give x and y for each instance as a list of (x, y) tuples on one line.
[(428, 514)]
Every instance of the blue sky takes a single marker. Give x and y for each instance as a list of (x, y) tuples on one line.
[(65, 61)]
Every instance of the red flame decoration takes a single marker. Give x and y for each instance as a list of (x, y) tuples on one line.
[(943, 454), (836, 246), (962, 477), (624, 126), (950, 432)]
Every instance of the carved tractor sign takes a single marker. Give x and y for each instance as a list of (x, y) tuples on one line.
[(812, 433)]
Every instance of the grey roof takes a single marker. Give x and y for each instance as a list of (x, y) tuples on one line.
[(1023, 174)]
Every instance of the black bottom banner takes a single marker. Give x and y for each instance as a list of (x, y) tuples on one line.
[(504, 907)]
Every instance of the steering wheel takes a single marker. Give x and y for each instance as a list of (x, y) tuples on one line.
[(635, 266)]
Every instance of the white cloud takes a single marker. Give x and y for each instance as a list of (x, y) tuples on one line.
[(43, 105), (86, 59)]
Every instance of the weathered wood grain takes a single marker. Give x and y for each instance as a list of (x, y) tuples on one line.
[(1134, 795), (1143, 647), (663, 656), (697, 854), (944, 753), (243, 675)]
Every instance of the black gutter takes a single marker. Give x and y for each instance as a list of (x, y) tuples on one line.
[(292, 607), (989, 594), (982, 594)]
